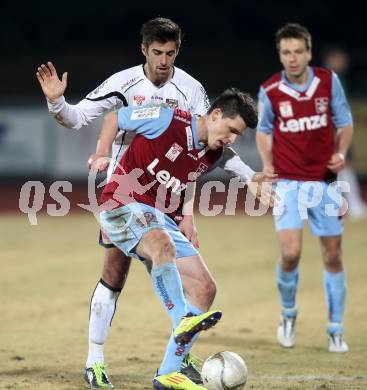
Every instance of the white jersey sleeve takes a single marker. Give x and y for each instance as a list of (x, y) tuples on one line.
[(104, 98), (199, 104)]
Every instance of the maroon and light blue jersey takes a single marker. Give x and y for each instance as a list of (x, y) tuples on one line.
[(164, 157), (303, 121)]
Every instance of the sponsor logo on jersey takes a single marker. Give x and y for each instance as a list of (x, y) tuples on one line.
[(313, 122), (138, 100), (156, 100), (184, 120), (97, 89), (165, 178), (123, 86), (286, 109), (145, 113), (174, 151), (173, 103), (322, 105)]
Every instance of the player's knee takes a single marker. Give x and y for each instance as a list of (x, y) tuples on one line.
[(207, 288), (290, 259), (211, 288), (332, 258)]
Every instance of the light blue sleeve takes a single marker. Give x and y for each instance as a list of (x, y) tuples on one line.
[(266, 113), (341, 112), (150, 121)]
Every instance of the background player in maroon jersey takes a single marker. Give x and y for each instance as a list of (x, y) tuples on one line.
[(304, 133)]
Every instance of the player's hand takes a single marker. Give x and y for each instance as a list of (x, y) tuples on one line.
[(188, 229), (51, 85), (261, 186), (98, 163), (336, 163), (262, 177)]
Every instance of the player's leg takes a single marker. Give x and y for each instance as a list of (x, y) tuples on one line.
[(145, 236), (290, 241), (288, 225), (102, 309), (326, 223), (335, 289), (199, 289), (157, 245)]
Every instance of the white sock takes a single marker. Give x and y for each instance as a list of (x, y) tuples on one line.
[(102, 309)]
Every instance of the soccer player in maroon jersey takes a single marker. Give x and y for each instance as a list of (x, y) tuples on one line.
[(304, 132), (170, 150), (157, 80)]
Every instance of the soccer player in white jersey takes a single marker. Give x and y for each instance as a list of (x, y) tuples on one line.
[(157, 81)]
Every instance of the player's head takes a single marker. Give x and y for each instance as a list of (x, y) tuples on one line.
[(294, 45), (229, 116), (161, 40)]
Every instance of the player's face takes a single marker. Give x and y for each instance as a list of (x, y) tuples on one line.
[(295, 58), (223, 131), (160, 58)]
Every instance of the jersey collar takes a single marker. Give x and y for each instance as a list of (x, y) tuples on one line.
[(168, 81), (299, 88), (194, 130)]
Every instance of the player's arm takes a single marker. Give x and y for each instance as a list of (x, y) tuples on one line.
[(100, 160), (259, 183), (263, 143), (75, 116), (187, 222), (264, 131), (342, 119)]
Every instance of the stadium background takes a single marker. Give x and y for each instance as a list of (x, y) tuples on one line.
[(48, 271)]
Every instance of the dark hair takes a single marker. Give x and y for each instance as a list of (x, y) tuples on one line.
[(233, 102), (161, 30), (293, 30)]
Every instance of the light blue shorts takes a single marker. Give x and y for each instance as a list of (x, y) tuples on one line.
[(320, 202), (125, 226)]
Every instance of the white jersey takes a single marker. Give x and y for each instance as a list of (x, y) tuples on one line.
[(131, 87)]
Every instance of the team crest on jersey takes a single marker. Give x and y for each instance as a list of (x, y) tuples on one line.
[(322, 105), (201, 169), (145, 113), (174, 151), (172, 103), (139, 100), (286, 109)]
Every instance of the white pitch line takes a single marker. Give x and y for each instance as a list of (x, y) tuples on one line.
[(311, 378)]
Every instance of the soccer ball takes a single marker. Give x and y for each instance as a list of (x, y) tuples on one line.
[(224, 371)]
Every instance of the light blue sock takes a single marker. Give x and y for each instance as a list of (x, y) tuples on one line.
[(335, 288), (287, 286), (168, 286), (175, 353)]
